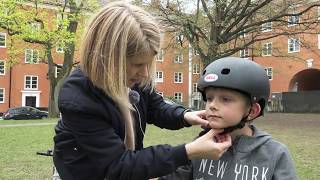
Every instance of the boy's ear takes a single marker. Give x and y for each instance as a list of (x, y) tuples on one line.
[(254, 111)]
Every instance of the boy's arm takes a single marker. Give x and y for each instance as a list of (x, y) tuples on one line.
[(285, 169), (182, 173)]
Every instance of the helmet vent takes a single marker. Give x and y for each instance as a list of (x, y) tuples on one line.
[(225, 71), (204, 72)]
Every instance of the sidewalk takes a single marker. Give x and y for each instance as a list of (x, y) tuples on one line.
[(31, 124)]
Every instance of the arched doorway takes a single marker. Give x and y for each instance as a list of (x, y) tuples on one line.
[(305, 80)]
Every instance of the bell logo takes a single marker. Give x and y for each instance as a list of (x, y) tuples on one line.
[(210, 78)]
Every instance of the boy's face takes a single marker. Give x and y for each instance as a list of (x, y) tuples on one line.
[(225, 107)]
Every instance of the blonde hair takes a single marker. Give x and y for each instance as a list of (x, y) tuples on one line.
[(118, 31)]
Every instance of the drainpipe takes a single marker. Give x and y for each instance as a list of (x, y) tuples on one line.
[(10, 73), (190, 75)]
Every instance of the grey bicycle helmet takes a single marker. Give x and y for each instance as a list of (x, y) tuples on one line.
[(239, 74)]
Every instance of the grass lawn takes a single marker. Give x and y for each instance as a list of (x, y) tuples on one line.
[(18, 159)]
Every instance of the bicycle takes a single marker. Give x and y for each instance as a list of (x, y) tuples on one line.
[(55, 174)]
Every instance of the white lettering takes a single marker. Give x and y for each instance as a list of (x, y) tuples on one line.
[(255, 172), (245, 172), (264, 173), (222, 168), (203, 165), (211, 168), (237, 172)]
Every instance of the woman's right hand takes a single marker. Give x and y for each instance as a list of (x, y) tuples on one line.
[(212, 145)]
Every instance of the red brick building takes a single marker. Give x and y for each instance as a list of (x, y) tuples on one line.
[(178, 69)]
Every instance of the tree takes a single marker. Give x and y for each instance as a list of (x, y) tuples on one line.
[(220, 28), (29, 21)]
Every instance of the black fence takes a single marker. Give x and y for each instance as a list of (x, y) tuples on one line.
[(295, 102)]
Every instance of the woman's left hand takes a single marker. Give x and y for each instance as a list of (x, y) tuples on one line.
[(196, 118)]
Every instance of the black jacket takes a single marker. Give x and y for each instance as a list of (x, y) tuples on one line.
[(89, 140)]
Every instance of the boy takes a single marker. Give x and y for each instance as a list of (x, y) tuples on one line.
[(236, 91)]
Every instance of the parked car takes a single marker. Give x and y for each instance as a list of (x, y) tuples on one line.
[(25, 112)]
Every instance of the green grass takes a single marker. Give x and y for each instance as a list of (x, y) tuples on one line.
[(18, 159)]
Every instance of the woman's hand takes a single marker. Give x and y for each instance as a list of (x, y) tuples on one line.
[(196, 118), (209, 146)]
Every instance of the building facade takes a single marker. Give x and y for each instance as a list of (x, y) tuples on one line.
[(177, 71)]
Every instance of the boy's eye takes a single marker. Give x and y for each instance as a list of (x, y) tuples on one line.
[(209, 99), (226, 99)]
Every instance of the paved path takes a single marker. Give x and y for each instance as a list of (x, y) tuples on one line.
[(30, 124)]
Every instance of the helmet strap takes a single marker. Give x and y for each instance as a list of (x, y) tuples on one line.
[(240, 125)]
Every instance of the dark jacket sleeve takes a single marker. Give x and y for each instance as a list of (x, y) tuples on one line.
[(162, 114), (89, 150), (182, 173)]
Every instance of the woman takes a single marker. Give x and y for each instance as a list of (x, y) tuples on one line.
[(100, 134)]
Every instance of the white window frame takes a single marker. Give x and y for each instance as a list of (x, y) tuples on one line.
[(35, 27), (31, 84), (244, 53), (57, 70), (194, 88), (178, 77), (269, 71), (159, 76), (266, 27), (295, 44), (178, 58), (178, 96), (32, 51), (196, 69), (179, 37), (267, 49), (5, 40), (59, 48), (159, 56), (3, 66), (293, 20), (3, 95), (243, 34)]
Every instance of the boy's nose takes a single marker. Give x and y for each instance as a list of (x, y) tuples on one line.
[(213, 105)]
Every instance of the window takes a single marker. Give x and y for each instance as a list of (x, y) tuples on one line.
[(178, 96), (178, 77), (159, 76), (2, 67), (196, 69), (162, 34), (2, 40), (267, 49), (196, 52), (178, 58), (244, 53), (269, 72), (293, 20), (35, 27), (60, 20), (1, 95), (159, 56), (265, 27), (243, 34), (179, 38), (58, 69), (31, 56), (293, 45), (31, 82), (60, 48), (194, 87)]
